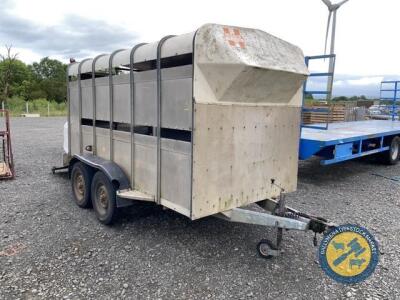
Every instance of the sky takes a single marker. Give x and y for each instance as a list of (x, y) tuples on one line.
[(367, 45)]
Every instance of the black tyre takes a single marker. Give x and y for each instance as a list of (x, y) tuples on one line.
[(264, 248), (103, 198), (81, 179), (392, 156)]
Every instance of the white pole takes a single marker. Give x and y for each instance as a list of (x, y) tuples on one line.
[(48, 108), (27, 107)]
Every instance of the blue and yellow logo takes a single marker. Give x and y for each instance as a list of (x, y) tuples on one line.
[(348, 253)]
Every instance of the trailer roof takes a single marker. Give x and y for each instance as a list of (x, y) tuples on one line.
[(176, 45), (266, 51)]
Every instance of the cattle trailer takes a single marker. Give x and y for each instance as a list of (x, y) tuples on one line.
[(204, 123)]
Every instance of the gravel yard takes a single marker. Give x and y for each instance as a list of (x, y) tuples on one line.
[(62, 251)]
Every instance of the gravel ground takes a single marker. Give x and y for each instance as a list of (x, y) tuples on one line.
[(61, 251)]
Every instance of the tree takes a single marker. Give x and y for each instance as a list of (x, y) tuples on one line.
[(50, 76), (29, 90), (13, 73), (6, 72), (340, 98)]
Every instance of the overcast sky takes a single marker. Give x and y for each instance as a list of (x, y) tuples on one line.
[(367, 43)]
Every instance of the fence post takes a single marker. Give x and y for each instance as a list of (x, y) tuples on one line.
[(48, 108), (27, 107)]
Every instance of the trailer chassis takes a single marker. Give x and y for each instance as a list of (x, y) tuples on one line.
[(269, 212), (277, 215)]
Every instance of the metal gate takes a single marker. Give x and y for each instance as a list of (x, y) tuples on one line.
[(6, 156)]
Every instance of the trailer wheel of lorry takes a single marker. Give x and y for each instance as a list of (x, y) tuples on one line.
[(104, 198), (391, 157), (81, 178), (266, 248)]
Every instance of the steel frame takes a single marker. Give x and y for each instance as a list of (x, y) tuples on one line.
[(277, 215), (159, 103), (80, 104), (5, 136), (132, 109), (69, 109), (94, 98), (396, 95), (111, 90), (242, 215), (327, 93)]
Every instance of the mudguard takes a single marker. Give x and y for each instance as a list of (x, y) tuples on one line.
[(110, 169)]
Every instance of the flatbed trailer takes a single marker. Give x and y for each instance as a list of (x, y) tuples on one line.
[(349, 140), (342, 141)]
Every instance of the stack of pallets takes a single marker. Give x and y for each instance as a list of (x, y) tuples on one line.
[(326, 113)]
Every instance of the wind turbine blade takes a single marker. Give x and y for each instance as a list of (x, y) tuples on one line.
[(327, 3), (327, 31), (341, 3)]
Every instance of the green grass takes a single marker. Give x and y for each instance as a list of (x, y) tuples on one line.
[(17, 106)]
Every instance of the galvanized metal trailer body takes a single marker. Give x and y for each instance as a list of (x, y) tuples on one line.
[(202, 123)]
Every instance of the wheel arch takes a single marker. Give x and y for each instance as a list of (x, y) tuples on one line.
[(114, 173), (389, 138)]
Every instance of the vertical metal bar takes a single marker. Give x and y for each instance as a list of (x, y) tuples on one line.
[(307, 61), (332, 64), (132, 109), (80, 104), (159, 96), (69, 112), (193, 129), (94, 98), (394, 101), (380, 96), (111, 101)]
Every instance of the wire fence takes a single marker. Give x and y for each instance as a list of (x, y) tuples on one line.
[(38, 107)]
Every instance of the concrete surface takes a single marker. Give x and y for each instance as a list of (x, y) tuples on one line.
[(60, 251)]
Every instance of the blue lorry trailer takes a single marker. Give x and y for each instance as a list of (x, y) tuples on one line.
[(348, 140), (341, 141)]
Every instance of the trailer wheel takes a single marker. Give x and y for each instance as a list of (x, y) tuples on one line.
[(81, 177), (391, 157), (265, 248), (104, 198)]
